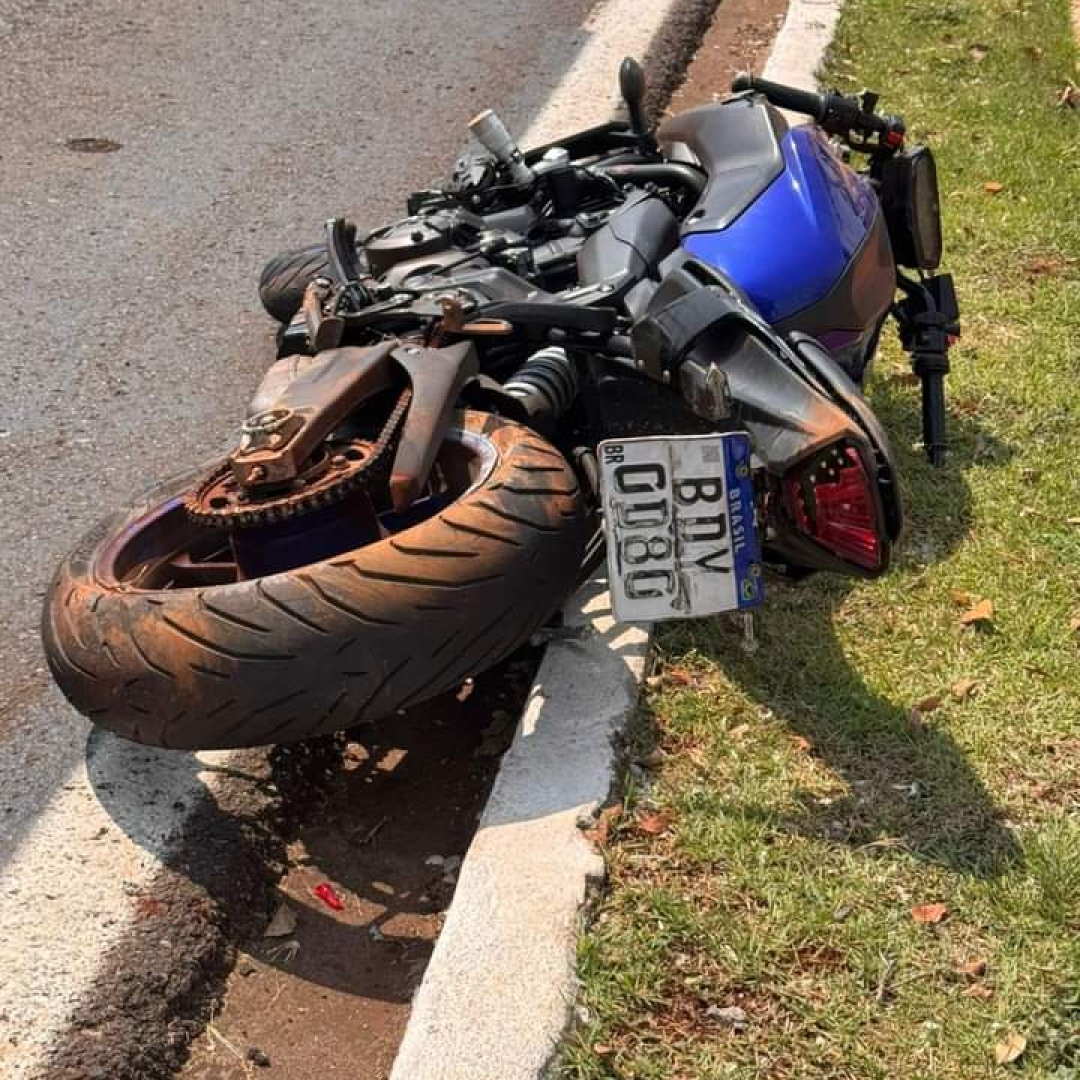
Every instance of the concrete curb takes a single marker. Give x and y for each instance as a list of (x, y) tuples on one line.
[(802, 42), (497, 995)]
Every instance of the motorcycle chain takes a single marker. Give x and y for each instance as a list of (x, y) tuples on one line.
[(309, 495)]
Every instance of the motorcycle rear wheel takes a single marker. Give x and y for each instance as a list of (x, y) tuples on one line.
[(194, 664)]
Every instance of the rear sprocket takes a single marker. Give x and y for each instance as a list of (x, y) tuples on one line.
[(340, 467)]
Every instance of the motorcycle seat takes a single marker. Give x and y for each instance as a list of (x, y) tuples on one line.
[(737, 143)]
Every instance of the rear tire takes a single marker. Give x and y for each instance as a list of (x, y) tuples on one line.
[(328, 645), (286, 276)]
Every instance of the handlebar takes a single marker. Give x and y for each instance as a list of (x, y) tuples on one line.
[(836, 113), (783, 97)]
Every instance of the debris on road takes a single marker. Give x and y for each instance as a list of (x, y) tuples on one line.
[(93, 145), (327, 894), (282, 924), (257, 1057)]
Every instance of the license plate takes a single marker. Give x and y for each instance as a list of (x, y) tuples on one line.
[(680, 528)]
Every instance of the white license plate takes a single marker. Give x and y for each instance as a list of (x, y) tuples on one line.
[(679, 525)]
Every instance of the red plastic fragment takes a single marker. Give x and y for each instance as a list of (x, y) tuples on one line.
[(325, 892)]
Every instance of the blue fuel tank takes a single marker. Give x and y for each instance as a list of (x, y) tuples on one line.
[(794, 227)]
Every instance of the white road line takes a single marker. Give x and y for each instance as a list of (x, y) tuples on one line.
[(68, 886), (588, 93)]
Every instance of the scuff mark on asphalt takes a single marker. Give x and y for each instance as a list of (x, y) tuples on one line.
[(156, 989)]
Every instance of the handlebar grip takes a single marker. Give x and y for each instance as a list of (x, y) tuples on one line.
[(784, 97)]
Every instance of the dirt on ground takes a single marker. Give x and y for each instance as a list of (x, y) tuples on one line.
[(739, 39), (376, 823)]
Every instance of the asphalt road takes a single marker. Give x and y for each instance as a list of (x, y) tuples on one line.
[(133, 334)]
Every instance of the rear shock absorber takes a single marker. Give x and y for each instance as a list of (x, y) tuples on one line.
[(546, 384)]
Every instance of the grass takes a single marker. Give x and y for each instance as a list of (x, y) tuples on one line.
[(796, 810)]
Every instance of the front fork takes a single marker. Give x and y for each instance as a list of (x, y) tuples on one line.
[(929, 321)]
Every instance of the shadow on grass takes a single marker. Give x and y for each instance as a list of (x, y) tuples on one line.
[(909, 789)]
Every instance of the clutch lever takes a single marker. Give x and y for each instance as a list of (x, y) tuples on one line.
[(344, 262)]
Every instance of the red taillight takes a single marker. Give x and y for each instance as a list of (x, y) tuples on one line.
[(833, 502)]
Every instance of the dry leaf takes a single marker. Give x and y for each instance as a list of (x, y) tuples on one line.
[(391, 759), (282, 924), (601, 1049), (680, 676), (929, 913), (738, 731), (1074, 624), (962, 689), (803, 744), (653, 824), (993, 187), (978, 53), (607, 817), (973, 969), (979, 990), (929, 704), (1033, 52), (915, 721), (982, 612), (1070, 96), (961, 597), (904, 378), (1044, 266), (1010, 1048)]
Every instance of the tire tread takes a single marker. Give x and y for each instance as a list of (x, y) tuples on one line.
[(344, 641)]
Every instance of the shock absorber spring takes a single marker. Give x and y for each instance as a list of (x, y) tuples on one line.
[(546, 384)]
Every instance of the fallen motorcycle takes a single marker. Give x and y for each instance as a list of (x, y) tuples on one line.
[(645, 343)]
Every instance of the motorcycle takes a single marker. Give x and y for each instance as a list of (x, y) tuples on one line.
[(642, 345)]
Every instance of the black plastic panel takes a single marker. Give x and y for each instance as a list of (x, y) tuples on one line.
[(738, 145), (630, 246)]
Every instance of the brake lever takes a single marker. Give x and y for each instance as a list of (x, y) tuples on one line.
[(846, 116)]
